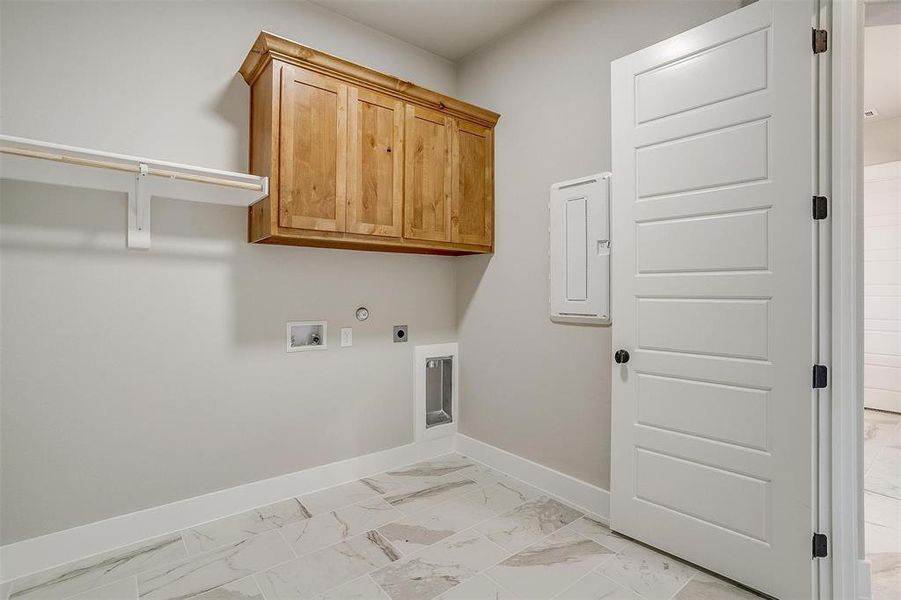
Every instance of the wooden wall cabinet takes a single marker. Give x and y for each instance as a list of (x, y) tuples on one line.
[(362, 160), (428, 167), (312, 158)]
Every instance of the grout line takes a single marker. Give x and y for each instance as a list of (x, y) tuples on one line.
[(491, 541), (333, 509), (349, 581), (255, 583), (509, 554), (584, 511), (377, 586), (457, 496), (481, 571), (604, 559), (494, 581), (585, 576), (629, 588), (365, 574), (259, 587), (284, 539), (472, 528), (280, 530), (121, 550), (682, 587), (343, 539), (358, 479), (263, 570), (400, 554), (184, 543), (137, 591), (620, 585)]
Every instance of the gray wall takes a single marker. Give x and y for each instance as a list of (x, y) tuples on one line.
[(133, 379), (881, 141), (538, 389)]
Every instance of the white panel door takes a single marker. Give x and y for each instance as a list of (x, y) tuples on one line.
[(714, 296)]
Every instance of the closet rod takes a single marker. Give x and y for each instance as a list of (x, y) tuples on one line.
[(129, 168)]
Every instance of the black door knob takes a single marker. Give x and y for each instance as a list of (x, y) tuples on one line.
[(621, 356)]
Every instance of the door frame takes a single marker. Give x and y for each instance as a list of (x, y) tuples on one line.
[(847, 574)]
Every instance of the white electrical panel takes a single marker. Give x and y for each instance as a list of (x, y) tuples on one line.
[(580, 250)]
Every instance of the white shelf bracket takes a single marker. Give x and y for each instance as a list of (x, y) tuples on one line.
[(139, 212)]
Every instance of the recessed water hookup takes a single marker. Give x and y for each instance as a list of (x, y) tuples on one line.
[(307, 335)]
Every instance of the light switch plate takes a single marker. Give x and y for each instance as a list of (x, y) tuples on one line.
[(347, 337)]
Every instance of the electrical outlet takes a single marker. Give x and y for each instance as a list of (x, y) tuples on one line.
[(347, 337)]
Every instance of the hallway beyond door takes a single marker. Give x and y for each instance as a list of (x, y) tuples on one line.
[(882, 501)]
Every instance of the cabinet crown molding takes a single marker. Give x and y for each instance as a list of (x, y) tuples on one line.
[(269, 46)]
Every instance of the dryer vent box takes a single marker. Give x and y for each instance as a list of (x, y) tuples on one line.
[(580, 250)]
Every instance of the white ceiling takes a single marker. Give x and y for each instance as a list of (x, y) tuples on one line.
[(882, 70), (454, 28), (448, 28)]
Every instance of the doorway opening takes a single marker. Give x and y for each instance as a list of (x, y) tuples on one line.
[(881, 205)]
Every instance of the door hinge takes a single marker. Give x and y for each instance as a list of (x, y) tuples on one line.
[(820, 41), (820, 545), (820, 376), (820, 207)]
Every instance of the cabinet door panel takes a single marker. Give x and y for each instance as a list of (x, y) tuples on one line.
[(427, 174), (375, 168), (312, 153), (473, 199)]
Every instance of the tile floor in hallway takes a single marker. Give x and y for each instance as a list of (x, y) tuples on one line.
[(447, 528), (882, 502)]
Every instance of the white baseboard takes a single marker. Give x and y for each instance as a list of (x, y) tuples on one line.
[(47, 551), (864, 584), (574, 491)]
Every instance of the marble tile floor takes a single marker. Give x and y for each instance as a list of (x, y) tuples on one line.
[(448, 529), (882, 502)]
